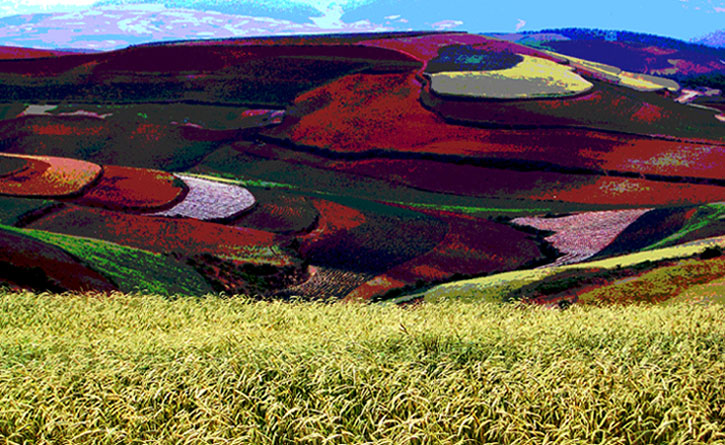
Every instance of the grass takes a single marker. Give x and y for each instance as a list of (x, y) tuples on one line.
[(144, 369), (131, 269), (658, 284)]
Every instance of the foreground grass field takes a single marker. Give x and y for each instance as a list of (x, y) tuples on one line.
[(145, 369)]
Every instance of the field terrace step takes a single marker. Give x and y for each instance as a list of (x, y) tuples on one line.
[(210, 200), (49, 176), (582, 235)]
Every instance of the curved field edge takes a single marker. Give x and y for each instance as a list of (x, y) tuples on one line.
[(51, 176), (237, 371), (532, 78), (497, 287), (130, 269)]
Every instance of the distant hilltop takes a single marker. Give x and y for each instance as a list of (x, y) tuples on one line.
[(715, 39)]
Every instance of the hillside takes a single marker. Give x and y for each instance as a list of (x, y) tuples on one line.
[(355, 167)]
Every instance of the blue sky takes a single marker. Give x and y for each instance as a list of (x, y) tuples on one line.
[(683, 19)]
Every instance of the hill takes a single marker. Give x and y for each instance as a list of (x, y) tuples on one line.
[(715, 39), (359, 167)]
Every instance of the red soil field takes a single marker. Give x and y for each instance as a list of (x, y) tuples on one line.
[(31, 263), (157, 234), (471, 180), (634, 192), (280, 212), (363, 112), (171, 59), (127, 188), (368, 241), (471, 246), (12, 52), (323, 39), (47, 176)]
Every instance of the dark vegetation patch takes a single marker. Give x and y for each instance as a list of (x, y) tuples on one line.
[(711, 252), (10, 165), (29, 277), (20, 211), (648, 229), (469, 58), (237, 277), (712, 80), (280, 212), (268, 75), (130, 141)]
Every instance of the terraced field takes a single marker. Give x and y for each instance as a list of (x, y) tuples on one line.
[(159, 234), (532, 78), (48, 176), (363, 167), (582, 235), (209, 200), (29, 262), (133, 189)]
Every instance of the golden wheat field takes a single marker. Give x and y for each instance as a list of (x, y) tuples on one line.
[(148, 369)]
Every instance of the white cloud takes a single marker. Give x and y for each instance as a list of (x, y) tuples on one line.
[(134, 24), (521, 23), (444, 25), (331, 17)]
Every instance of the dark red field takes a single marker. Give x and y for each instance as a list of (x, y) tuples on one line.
[(32, 264), (362, 113), (280, 212), (133, 143), (126, 188), (157, 234), (471, 246), (13, 52)]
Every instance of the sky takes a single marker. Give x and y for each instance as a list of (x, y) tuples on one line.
[(108, 24)]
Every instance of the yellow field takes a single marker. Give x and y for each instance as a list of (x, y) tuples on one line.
[(148, 370), (533, 78)]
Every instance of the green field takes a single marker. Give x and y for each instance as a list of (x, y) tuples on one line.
[(145, 369), (131, 269), (512, 285)]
